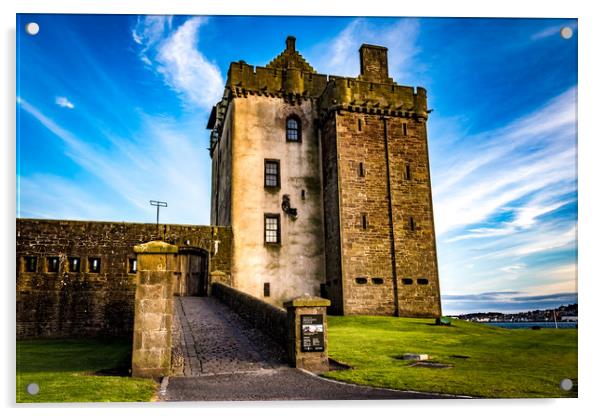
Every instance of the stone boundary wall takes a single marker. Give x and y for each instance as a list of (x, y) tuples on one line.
[(266, 317), (63, 303)]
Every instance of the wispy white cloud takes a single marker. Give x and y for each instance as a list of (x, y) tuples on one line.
[(50, 196), (64, 102), (174, 55), (157, 163), (532, 154), (339, 56)]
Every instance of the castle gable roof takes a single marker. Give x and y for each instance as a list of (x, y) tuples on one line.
[(290, 59)]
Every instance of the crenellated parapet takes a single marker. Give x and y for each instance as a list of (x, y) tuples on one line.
[(279, 82), (291, 78), (390, 99)]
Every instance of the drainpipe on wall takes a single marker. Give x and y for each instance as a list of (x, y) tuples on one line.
[(391, 229)]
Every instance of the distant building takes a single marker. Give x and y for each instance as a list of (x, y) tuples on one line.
[(325, 182)]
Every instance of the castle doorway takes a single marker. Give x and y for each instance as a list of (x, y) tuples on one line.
[(191, 277)]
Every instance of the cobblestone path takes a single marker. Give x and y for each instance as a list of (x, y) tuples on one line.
[(218, 356), (215, 340)]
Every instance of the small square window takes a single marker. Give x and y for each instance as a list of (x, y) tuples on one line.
[(272, 228), (74, 264), (132, 265), (94, 265), (272, 174), (31, 264), (52, 264)]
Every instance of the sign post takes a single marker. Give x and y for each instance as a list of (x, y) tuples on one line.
[(308, 341)]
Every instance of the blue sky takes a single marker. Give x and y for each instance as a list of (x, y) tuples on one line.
[(112, 113)]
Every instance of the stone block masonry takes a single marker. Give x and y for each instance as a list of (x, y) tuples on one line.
[(151, 352), (57, 300)]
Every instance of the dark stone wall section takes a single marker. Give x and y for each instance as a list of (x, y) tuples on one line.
[(82, 303), (271, 320)]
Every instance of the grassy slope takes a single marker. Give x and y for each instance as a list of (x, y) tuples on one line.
[(63, 370), (502, 363)]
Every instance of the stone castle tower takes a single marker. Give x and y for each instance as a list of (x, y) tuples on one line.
[(325, 182)]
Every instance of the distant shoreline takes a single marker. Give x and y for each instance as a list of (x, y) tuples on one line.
[(526, 325)]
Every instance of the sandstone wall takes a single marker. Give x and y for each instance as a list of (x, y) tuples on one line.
[(64, 303), (295, 265)]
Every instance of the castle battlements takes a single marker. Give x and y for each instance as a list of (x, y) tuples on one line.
[(291, 78)]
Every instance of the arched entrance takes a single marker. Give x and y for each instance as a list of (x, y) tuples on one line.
[(192, 274)]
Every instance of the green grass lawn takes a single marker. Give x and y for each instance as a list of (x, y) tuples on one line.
[(501, 363), (64, 370)]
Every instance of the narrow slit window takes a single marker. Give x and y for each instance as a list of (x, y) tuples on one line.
[(272, 173), (266, 290), (94, 265), (52, 264), (31, 264), (303, 194), (408, 172), (423, 282), (132, 265), (74, 264), (361, 280), (362, 173), (404, 128), (272, 229), (364, 221), (359, 124), (412, 224)]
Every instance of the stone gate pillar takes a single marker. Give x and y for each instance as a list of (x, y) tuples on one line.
[(307, 333), (151, 356)]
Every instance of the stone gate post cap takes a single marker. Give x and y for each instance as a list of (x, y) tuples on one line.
[(156, 247), (308, 301)]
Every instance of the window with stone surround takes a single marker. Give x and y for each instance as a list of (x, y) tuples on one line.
[(52, 264), (94, 265), (271, 173), (407, 281), (423, 281), (74, 264), (361, 170), (293, 129), (378, 280), (361, 280), (31, 264), (272, 228)]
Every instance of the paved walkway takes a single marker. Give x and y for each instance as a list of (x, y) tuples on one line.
[(221, 357)]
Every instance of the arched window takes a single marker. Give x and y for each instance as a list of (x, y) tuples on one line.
[(293, 129)]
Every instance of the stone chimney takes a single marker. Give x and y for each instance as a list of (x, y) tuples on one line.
[(374, 66), (290, 43)]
